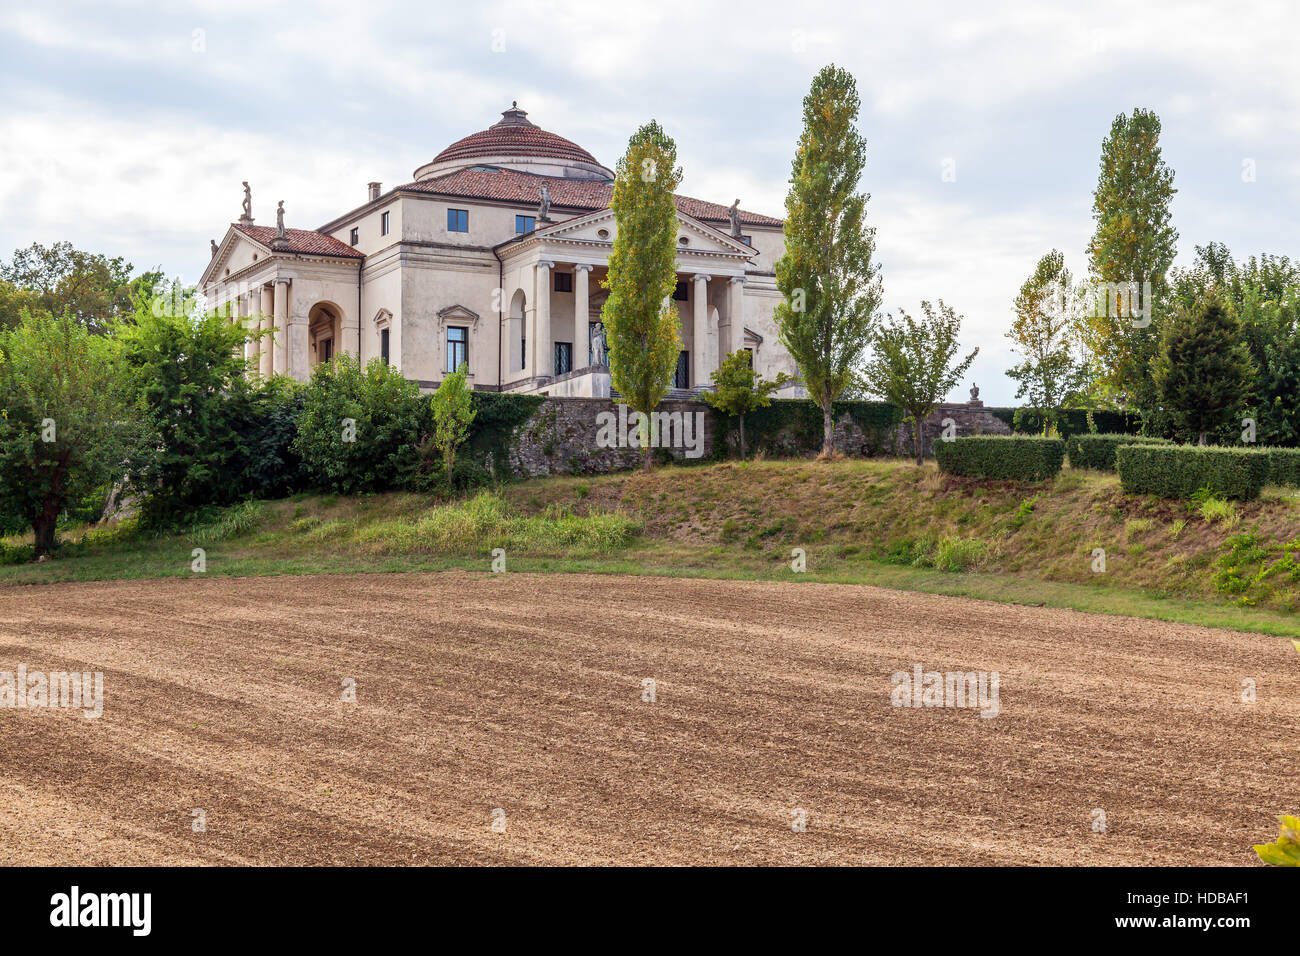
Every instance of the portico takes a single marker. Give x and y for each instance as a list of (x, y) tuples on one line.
[(549, 277)]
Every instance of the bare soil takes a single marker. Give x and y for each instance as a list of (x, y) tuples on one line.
[(523, 693)]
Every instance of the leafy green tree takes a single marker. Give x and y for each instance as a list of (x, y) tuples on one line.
[(830, 286), (360, 429), (1044, 332), (14, 302), (1134, 243), (1264, 294), (639, 315), (1203, 371), (453, 413), (185, 373), (738, 389), (93, 288), (66, 428), (912, 365)]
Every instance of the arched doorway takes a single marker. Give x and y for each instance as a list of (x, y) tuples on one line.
[(324, 328)]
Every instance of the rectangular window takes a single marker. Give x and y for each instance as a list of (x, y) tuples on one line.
[(356, 236), (682, 378), (457, 347), (682, 292), (749, 353), (458, 220), (563, 358), (564, 282), (525, 223), (383, 223), (747, 240), (327, 350), (383, 345)]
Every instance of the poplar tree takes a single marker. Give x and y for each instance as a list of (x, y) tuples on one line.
[(639, 316), (1134, 242), (830, 286)]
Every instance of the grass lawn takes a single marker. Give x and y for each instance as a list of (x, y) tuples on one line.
[(884, 522)]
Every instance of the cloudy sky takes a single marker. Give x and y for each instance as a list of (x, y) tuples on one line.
[(126, 128)]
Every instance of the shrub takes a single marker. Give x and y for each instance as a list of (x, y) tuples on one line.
[(1012, 457), (1179, 471), (360, 428), (1285, 850), (1098, 451)]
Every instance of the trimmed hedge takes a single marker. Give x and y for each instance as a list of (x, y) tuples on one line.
[(1179, 471), (1098, 451), (1011, 457), (1283, 466), (1074, 421)]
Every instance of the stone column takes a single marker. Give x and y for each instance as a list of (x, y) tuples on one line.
[(265, 360), (299, 341), (281, 327), (581, 306), (700, 332), (248, 308), (543, 350), (736, 313)]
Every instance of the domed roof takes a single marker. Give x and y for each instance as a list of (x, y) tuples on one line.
[(514, 136)]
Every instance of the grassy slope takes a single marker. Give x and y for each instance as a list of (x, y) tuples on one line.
[(878, 522)]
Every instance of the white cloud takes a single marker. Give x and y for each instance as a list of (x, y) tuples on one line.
[(122, 138)]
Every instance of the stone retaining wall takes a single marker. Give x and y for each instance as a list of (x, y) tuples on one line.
[(565, 436)]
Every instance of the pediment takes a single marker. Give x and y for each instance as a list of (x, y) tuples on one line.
[(235, 253), (601, 227), (457, 313)]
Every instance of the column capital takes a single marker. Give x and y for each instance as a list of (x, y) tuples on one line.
[(282, 280), (737, 280), (582, 267), (545, 264), (702, 277)]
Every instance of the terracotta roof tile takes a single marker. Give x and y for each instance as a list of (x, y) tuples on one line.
[(305, 241), (508, 185), (515, 140)]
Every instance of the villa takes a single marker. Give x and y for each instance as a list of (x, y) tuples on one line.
[(494, 256)]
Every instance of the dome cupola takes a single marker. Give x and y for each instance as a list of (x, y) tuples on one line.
[(515, 142)]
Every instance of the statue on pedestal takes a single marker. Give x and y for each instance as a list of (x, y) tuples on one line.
[(246, 216), (214, 247), (733, 213), (544, 207), (975, 395), (598, 345)]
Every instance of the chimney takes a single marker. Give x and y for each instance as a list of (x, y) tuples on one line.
[(374, 191)]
